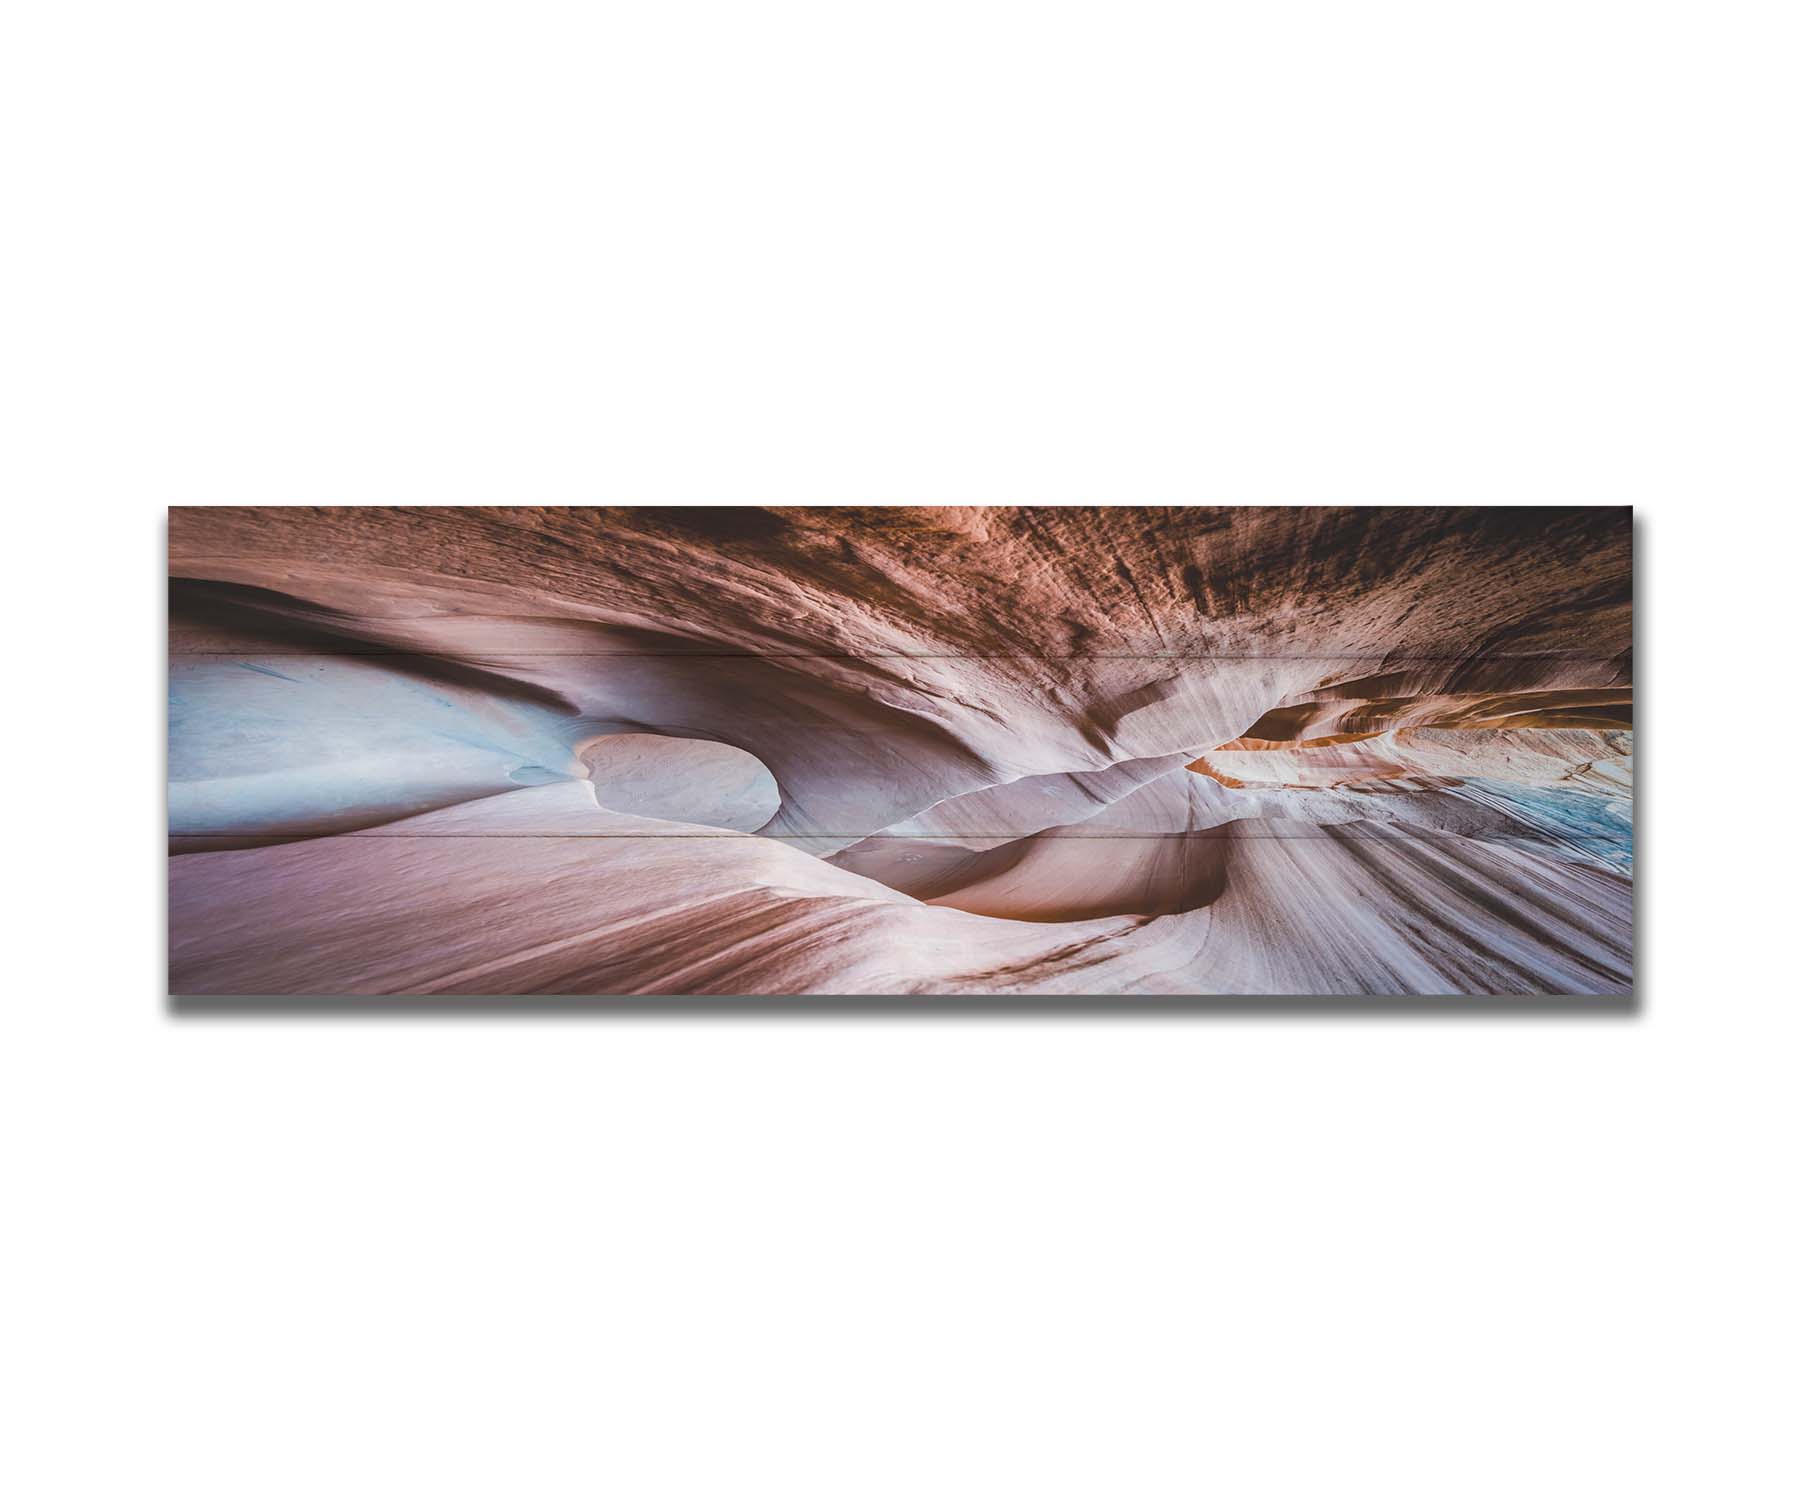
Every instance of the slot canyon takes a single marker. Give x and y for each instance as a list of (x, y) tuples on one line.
[(900, 751)]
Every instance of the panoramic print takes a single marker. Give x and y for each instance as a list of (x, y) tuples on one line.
[(900, 751)]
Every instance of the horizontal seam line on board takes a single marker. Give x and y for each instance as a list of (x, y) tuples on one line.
[(484, 654), (1198, 833)]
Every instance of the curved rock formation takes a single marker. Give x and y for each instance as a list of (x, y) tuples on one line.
[(864, 751)]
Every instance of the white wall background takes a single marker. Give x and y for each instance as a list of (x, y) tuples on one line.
[(824, 252)]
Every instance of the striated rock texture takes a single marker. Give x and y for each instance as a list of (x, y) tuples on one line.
[(990, 750)]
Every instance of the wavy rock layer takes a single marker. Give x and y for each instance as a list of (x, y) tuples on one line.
[(956, 751)]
